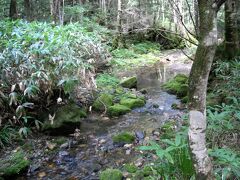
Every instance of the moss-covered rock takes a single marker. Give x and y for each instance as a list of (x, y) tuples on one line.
[(130, 82), (67, 119), (117, 110), (124, 138), (111, 174), (102, 102), (132, 103), (130, 168), (13, 164), (178, 85)]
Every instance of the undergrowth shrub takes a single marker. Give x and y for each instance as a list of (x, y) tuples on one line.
[(38, 60)]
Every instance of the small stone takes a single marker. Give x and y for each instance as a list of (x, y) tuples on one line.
[(128, 152), (50, 145), (64, 146), (127, 146), (41, 174), (156, 133), (105, 118), (155, 106), (139, 162), (102, 141)]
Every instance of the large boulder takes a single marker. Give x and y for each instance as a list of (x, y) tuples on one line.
[(102, 102), (13, 164), (178, 85), (67, 119), (117, 110), (130, 82), (132, 103)]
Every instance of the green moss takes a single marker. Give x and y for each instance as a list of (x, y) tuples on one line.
[(67, 119), (117, 110), (132, 103), (130, 82), (178, 85), (102, 101), (107, 80), (130, 168), (124, 137), (13, 164), (111, 174)]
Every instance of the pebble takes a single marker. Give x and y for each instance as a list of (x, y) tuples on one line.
[(127, 146), (156, 133), (128, 152), (139, 162), (102, 141)]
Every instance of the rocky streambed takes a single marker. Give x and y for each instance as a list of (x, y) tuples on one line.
[(104, 142)]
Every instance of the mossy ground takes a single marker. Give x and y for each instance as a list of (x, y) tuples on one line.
[(13, 164), (130, 82), (178, 85), (132, 103), (123, 137), (117, 110), (111, 174), (102, 102)]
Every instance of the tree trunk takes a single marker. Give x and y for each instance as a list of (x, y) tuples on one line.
[(231, 28), (196, 17), (198, 87), (13, 13), (28, 9), (119, 41), (57, 11)]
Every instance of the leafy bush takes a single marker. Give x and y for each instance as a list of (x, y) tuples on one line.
[(39, 59), (227, 163), (175, 159)]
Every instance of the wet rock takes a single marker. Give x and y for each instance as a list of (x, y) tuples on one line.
[(103, 102), (13, 164), (113, 174), (130, 82), (139, 135), (67, 118), (117, 110), (155, 106), (132, 103), (144, 91)]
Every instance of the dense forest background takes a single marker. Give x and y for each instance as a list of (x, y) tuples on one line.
[(53, 52)]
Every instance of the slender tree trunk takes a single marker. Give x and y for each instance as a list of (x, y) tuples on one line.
[(13, 13), (231, 28), (120, 39), (198, 87), (196, 17), (57, 11), (28, 9)]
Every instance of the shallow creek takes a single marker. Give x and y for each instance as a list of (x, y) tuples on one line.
[(85, 158)]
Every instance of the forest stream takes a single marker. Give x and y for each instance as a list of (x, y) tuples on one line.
[(92, 149)]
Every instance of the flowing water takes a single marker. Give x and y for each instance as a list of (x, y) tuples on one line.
[(96, 151)]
